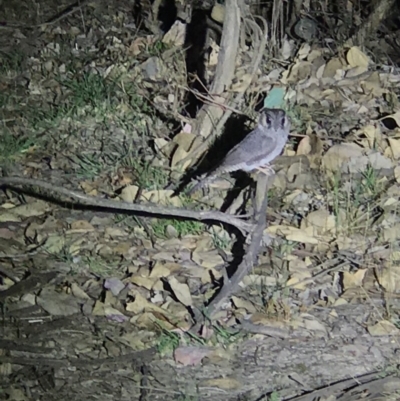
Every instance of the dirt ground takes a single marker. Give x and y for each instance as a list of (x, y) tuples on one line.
[(108, 303)]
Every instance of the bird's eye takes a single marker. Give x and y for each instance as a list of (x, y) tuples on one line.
[(268, 119)]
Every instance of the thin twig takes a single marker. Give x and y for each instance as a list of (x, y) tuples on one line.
[(82, 199)]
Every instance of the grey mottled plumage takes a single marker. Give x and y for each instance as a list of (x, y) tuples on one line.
[(257, 149)]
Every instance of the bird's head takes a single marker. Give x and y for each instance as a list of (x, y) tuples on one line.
[(274, 119)]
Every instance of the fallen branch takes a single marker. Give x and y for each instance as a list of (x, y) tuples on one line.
[(231, 285), (81, 199)]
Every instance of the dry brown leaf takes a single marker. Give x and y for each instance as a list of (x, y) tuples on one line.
[(393, 151), (78, 292), (6, 233), (353, 72), (114, 232), (297, 174), (146, 282), (176, 35), (319, 223), (311, 323), (304, 147), (89, 188), (7, 205), (287, 48), (163, 255), (377, 161), (184, 140), (346, 157), (13, 393), (218, 13), (374, 137), (148, 321), (80, 226), (190, 356), (357, 242), (54, 243), (8, 216), (209, 259), (205, 275), (114, 314), (389, 277), (181, 291), (124, 248), (264, 320), (373, 85), (141, 304), (397, 173), (137, 46), (36, 208), (353, 280), (304, 51), (164, 146), (204, 243), (178, 156), (129, 193), (392, 233), (383, 328), (57, 303), (214, 54), (292, 234), (300, 274), (356, 58), (242, 84), (164, 269), (162, 197), (332, 66), (297, 72), (225, 383), (244, 303)]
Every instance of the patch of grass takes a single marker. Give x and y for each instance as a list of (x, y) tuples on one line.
[(98, 266), (89, 165), (167, 342), (63, 255), (354, 202), (147, 176), (220, 239), (370, 182), (45, 117), (12, 146), (89, 91), (157, 48), (224, 336), (274, 396), (183, 227), (139, 106), (11, 62)]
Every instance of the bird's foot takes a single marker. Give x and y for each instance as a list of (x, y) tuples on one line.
[(266, 169)]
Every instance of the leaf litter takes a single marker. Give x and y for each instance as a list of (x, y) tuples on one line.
[(97, 125)]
